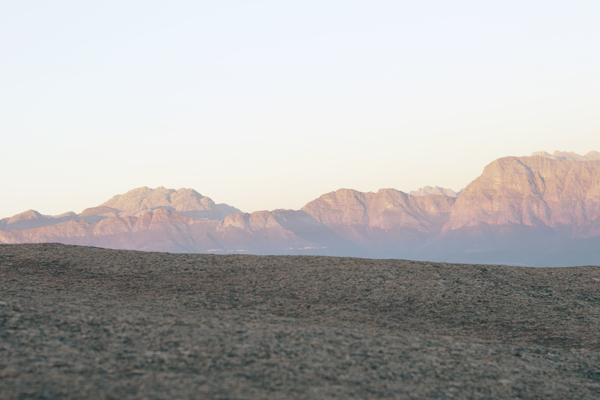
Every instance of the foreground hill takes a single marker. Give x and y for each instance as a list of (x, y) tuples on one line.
[(80, 322)]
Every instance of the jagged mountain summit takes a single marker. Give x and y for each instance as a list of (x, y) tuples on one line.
[(538, 210), (437, 190), (184, 201), (568, 155)]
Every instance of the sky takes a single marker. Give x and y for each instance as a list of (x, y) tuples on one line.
[(269, 104)]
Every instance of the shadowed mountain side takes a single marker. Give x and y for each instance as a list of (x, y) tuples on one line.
[(101, 210), (278, 232), (568, 254), (94, 215), (281, 232), (509, 244)]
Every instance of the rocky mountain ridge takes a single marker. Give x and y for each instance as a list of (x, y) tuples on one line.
[(532, 191), (136, 202), (440, 191), (568, 155), (521, 210), (184, 201)]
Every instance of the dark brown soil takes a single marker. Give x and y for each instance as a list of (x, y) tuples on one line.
[(81, 322)]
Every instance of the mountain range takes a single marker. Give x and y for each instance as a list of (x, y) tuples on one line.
[(541, 210)]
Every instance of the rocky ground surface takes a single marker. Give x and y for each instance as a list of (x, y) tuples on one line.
[(81, 322)]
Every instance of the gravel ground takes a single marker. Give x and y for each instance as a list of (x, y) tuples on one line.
[(82, 322)]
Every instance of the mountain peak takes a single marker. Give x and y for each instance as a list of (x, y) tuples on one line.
[(184, 201), (568, 155), (145, 198), (25, 216), (436, 190)]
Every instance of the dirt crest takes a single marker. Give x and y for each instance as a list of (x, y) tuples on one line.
[(84, 322)]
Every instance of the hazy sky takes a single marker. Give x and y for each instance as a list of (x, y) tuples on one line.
[(269, 104)]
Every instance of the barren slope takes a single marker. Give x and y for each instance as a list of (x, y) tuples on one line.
[(79, 322)]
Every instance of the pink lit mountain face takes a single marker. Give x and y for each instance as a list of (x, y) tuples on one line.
[(538, 210)]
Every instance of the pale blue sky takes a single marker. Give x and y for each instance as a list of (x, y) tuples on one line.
[(269, 104)]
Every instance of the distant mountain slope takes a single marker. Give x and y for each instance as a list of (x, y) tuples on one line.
[(186, 202), (281, 232), (440, 191), (386, 223), (569, 155), (159, 230), (263, 232), (386, 209)]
